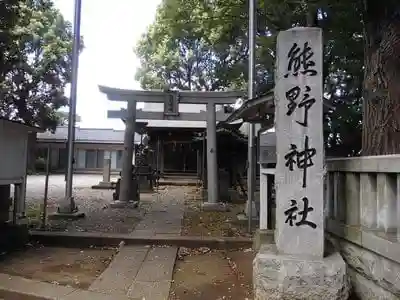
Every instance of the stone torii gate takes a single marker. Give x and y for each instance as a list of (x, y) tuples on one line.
[(171, 101)]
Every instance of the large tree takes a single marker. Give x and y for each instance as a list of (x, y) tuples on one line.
[(203, 45), (194, 45), (381, 123), (35, 61)]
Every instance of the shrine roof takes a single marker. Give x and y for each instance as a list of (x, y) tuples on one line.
[(87, 135), (260, 109)]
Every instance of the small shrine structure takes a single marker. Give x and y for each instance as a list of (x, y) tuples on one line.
[(13, 173)]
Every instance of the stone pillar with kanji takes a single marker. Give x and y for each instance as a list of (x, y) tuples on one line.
[(298, 266), (106, 182)]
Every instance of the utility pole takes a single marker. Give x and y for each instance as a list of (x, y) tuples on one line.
[(251, 180)]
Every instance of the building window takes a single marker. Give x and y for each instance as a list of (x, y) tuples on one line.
[(100, 158), (94, 159), (63, 158), (91, 159), (119, 159)]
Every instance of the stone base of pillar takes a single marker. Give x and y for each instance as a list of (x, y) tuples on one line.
[(231, 195), (66, 215), (242, 218), (261, 237), (277, 276), (124, 204), (65, 211), (103, 185), (208, 206)]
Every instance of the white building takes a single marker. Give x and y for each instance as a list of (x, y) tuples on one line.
[(91, 146)]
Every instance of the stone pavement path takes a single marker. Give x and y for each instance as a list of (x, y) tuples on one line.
[(144, 272), (165, 215), (139, 272)]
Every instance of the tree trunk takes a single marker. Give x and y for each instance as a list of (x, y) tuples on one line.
[(381, 107)]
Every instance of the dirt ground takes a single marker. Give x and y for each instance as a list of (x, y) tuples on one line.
[(212, 275), (65, 266), (197, 222)]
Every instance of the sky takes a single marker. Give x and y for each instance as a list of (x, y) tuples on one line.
[(110, 30)]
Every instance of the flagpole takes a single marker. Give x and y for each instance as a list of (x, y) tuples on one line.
[(72, 107)]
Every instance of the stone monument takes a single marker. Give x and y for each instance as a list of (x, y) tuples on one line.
[(106, 182), (298, 266)]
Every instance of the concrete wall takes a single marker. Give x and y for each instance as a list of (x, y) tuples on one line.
[(373, 275), (362, 210), (362, 219)]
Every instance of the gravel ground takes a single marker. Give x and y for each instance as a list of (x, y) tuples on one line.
[(197, 222), (94, 203)]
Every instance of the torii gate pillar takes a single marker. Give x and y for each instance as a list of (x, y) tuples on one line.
[(171, 102), (212, 163), (127, 157)]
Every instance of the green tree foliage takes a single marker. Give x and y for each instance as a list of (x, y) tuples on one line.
[(196, 45), (63, 116), (35, 61), (203, 45)]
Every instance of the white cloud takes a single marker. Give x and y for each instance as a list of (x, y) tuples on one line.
[(110, 30)]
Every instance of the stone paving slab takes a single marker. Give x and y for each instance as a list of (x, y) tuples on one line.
[(139, 271), (16, 287), (150, 290), (162, 219), (154, 278), (162, 254), (33, 287), (155, 271), (123, 269)]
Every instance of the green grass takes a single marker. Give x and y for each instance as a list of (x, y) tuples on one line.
[(33, 214)]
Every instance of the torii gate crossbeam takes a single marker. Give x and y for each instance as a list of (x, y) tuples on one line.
[(171, 100)]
